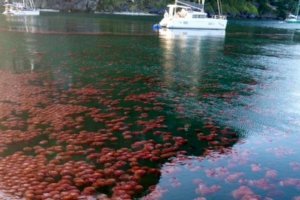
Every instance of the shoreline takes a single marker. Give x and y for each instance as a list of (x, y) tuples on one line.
[(127, 13), (49, 10)]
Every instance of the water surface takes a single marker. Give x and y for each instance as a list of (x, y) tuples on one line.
[(103, 107)]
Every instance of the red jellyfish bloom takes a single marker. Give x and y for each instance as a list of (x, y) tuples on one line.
[(244, 192)]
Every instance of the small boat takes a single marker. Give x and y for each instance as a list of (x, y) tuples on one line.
[(188, 15), (26, 7), (294, 18)]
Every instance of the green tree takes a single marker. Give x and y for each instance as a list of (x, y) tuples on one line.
[(279, 8)]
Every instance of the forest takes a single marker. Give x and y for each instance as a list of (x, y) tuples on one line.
[(261, 9), (278, 9)]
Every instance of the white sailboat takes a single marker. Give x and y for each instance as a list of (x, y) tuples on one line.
[(294, 18), (26, 7), (184, 14)]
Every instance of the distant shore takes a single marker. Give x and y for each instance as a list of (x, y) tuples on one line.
[(127, 13), (49, 10)]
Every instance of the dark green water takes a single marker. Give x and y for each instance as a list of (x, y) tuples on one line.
[(218, 113)]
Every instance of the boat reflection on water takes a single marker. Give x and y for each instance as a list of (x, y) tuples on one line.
[(21, 23), (190, 58), (187, 54), (190, 33), (24, 55)]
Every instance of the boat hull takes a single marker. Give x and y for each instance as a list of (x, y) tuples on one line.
[(23, 13), (292, 21), (202, 23)]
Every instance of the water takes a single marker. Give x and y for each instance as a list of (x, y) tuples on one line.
[(103, 107)]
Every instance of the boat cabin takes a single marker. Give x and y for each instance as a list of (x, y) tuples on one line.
[(183, 12)]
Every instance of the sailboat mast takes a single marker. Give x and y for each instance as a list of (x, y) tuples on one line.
[(219, 9), (297, 10), (32, 4), (202, 2)]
